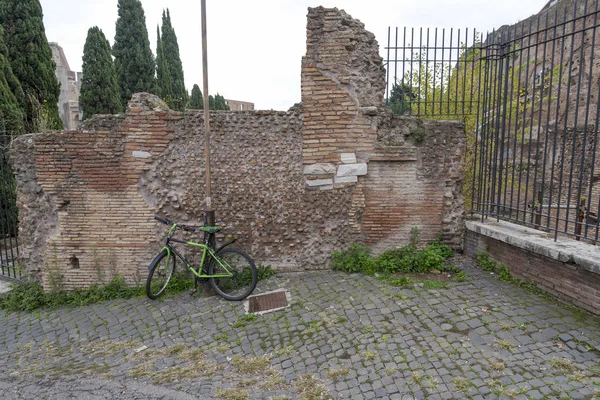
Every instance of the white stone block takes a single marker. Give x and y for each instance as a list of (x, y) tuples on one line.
[(348, 158), (141, 154), (352, 169), (345, 179), (319, 182), (319, 169)]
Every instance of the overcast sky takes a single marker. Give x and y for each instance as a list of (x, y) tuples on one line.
[(255, 47)]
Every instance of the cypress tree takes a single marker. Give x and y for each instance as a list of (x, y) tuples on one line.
[(196, 100), (163, 78), (99, 88), (171, 55), (30, 57), (11, 93), (134, 62), (219, 103)]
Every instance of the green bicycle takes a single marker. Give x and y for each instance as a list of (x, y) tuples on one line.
[(230, 272)]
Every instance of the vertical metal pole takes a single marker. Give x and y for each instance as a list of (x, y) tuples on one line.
[(480, 111), (595, 130), (555, 136), (510, 154), (547, 127), (533, 37), (395, 61), (443, 67), (575, 124), (504, 93), (580, 218), (387, 72), (523, 208), (210, 213), (434, 68), (566, 124)]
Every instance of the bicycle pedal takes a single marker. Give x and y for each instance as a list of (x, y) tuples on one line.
[(193, 291)]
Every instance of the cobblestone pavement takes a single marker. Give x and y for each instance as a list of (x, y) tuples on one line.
[(344, 336)]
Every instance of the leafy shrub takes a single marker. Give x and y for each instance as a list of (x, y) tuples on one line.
[(357, 258), (460, 277), (399, 260), (485, 262), (505, 275), (442, 249), (402, 260)]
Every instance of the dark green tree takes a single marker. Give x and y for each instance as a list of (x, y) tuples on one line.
[(400, 98), (211, 102), (99, 88), (175, 69), (219, 103), (134, 62), (31, 60), (11, 94), (196, 100), (164, 87)]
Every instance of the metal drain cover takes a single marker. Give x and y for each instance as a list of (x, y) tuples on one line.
[(267, 302)]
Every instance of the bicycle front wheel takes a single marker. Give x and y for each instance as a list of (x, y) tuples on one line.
[(237, 275), (161, 271)]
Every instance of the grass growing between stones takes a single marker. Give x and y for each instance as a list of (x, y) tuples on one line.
[(504, 344), (232, 394), (251, 365), (309, 388), (497, 366), (244, 320), (336, 374), (562, 364), (272, 380), (462, 384)]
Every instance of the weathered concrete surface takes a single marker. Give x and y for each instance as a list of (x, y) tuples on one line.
[(4, 286), (358, 338)]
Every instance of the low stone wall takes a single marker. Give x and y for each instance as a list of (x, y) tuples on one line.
[(292, 186), (566, 269)]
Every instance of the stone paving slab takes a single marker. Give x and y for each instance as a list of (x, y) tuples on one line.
[(344, 336)]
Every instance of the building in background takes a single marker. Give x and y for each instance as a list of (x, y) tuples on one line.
[(235, 105), (70, 84)]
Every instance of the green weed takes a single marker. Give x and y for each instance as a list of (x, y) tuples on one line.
[(29, 295)]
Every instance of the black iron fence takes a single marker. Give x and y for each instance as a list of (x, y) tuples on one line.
[(530, 98), (9, 246)]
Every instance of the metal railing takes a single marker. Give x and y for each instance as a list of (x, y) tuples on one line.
[(9, 246), (530, 99)]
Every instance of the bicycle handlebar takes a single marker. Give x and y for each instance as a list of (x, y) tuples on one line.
[(165, 221)]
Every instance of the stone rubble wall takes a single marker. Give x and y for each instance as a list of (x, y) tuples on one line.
[(291, 186)]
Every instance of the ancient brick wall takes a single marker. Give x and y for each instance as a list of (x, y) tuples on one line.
[(292, 186)]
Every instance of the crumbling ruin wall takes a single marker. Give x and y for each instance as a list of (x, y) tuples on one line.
[(292, 186)]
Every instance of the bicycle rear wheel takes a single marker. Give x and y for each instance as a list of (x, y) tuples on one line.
[(244, 275), (161, 271)]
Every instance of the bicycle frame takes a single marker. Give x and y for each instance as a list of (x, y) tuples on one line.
[(206, 250)]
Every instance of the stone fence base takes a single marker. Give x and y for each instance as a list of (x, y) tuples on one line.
[(567, 269)]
